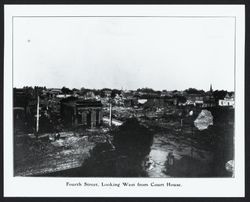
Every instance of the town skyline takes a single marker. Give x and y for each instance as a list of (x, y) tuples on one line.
[(124, 88), (87, 88)]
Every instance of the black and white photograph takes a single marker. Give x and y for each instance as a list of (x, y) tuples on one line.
[(124, 96)]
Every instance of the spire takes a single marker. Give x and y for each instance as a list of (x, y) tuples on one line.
[(211, 88)]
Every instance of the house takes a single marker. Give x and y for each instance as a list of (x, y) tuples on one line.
[(53, 92), (90, 95), (130, 102), (118, 100), (227, 101), (171, 100), (165, 93), (209, 101), (107, 93), (77, 112), (194, 99), (157, 102)]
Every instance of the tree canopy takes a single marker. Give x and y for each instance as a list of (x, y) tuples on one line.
[(66, 90), (194, 91)]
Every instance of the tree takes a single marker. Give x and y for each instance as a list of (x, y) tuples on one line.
[(75, 89), (132, 138), (219, 94), (66, 90), (194, 91), (114, 92)]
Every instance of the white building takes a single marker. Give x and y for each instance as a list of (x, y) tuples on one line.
[(227, 101)]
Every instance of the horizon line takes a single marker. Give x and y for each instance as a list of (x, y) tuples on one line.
[(124, 89)]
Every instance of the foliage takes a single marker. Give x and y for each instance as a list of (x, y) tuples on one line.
[(66, 90), (133, 138), (145, 90), (219, 94), (114, 92), (194, 91)]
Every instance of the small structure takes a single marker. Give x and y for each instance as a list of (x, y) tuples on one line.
[(173, 100), (194, 99), (165, 93), (160, 101), (53, 92), (227, 101), (107, 93), (90, 95), (87, 113), (209, 101), (118, 100), (130, 102)]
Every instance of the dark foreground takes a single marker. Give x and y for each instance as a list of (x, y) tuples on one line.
[(144, 148)]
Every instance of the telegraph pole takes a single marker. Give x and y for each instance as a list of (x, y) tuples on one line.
[(192, 135), (192, 149), (110, 114), (37, 117)]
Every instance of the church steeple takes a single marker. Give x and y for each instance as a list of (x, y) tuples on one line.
[(211, 88)]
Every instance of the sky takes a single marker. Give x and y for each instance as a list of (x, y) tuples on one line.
[(124, 52)]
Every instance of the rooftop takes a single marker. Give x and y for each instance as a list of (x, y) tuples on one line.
[(83, 103)]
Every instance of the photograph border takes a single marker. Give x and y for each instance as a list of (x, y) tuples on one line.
[(235, 70)]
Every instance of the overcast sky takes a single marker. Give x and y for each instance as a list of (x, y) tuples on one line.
[(124, 52)]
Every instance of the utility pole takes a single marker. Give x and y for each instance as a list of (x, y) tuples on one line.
[(110, 114), (192, 135), (192, 149), (37, 117)]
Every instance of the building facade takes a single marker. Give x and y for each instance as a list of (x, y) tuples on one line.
[(86, 113)]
